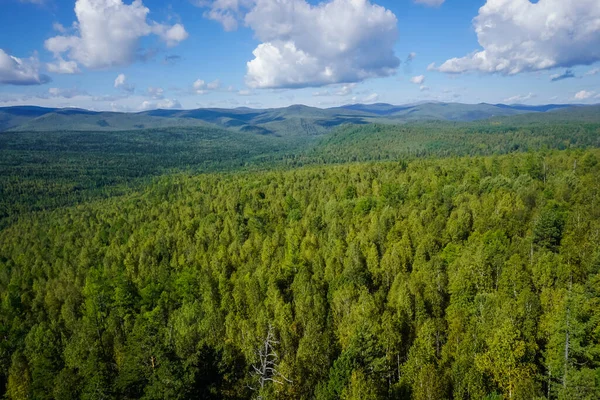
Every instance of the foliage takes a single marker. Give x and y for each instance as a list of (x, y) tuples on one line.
[(47, 170), (463, 278)]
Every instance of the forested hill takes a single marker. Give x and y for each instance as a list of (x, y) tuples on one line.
[(435, 139), (46, 170), (467, 278), (292, 120)]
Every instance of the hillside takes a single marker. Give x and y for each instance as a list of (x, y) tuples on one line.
[(289, 121), (390, 142), (50, 169), (45, 170), (83, 120), (589, 114), (12, 117)]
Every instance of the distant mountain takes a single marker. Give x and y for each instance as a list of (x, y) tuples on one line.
[(286, 121), (579, 113), (378, 108), (541, 108), (85, 120), (449, 111), (11, 117)]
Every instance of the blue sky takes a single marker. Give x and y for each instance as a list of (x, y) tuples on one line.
[(131, 56)]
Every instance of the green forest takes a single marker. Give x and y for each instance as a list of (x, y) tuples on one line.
[(465, 265), (51, 169)]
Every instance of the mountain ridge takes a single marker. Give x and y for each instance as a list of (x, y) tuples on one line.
[(297, 119)]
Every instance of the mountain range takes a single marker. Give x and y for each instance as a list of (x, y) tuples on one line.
[(292, 120)]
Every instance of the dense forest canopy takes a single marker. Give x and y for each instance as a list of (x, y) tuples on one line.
[(467, 278), (46, 170)]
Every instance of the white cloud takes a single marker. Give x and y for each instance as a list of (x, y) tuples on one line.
[(20, 71), (108, 33), (74, 97), (519, 98), (120, 80), (418, 79), (227, 12), (199, 86), (592, 72), (121, 83), (423, 88), (342, 90), (171, 35), (169, 103), (63, 67), (59, 27), (346, 90), (371, 98), (518, 36), (245, 92), (155, 92), (337, 41), (411, 56), (65, 93), (583, 95), (202, 87), (214, 85), (430, 3), (163, 104), (322, 93)]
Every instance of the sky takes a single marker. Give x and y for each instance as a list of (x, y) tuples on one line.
[(123, 55)]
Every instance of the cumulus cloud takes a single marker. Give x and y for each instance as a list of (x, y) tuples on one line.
[(20, 71), (108, 32), (418, 79), (519, 98), (430, 3), (583, 95), (423, 88), (202, 87), (163, 104), (171, 35), (121, 83), (519, 36), (227, 12), (60, 66), (303, 45), (559, 77)]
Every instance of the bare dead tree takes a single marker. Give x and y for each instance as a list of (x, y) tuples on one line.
[(265, 370)]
